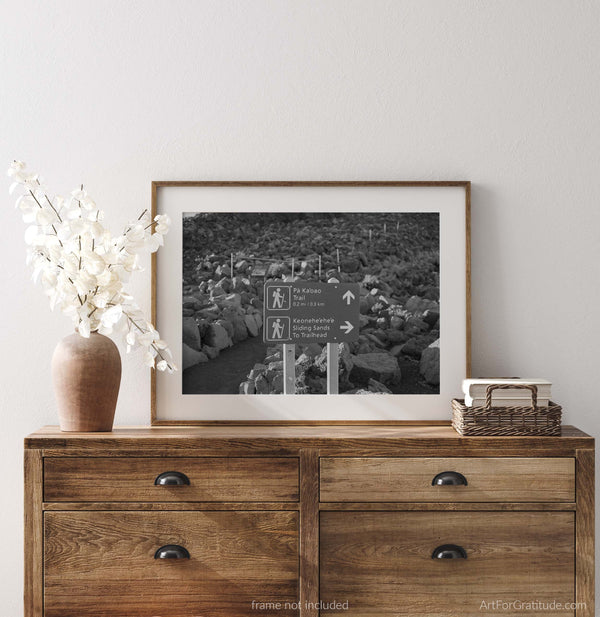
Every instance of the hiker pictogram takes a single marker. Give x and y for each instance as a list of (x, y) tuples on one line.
[(279, 297), (277, 329)]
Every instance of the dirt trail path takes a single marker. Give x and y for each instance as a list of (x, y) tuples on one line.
[(224, 374)]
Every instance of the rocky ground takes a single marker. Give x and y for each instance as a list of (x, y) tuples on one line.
[(394, 258)]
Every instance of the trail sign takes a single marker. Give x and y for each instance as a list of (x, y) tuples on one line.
[(307, 312)]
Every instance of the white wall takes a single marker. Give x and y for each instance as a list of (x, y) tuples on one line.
[(506, 94)]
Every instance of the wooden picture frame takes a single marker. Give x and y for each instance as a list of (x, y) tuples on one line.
[(451, 199)]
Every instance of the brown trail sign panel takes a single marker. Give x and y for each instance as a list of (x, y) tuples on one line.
[(308, 312)]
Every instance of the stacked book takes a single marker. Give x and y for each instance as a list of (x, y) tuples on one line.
[(475, 392)]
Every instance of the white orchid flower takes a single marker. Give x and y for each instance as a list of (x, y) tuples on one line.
[(82, 267)]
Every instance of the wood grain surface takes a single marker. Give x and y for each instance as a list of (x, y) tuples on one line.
[(102, 563), (409, 479), (309, 533), (343, 440), (584, 549), (132, 479), (380, 562), (33, 527)]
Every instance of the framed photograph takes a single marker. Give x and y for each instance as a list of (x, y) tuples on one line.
[(380, 269)]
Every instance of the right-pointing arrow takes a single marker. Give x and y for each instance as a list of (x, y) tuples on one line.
[(347, 327)]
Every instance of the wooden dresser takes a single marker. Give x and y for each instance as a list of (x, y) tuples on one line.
[(231, 521)]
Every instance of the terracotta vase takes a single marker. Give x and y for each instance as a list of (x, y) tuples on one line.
[(86, 373)]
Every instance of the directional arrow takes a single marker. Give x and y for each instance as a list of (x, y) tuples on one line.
[(348, 296), (347, 328)]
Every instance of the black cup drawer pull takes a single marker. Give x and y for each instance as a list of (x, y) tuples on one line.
[(449, 478), (171, 478), (172, 551), (449, 551)]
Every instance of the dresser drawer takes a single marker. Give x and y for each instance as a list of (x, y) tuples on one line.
[(410, 479), (381, 563), (133, 479), (102, 564)]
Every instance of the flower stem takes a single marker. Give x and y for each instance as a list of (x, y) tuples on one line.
[(156, 349), (50, 203), (41, 208)]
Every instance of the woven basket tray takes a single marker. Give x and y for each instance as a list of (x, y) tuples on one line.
[(490, 420)]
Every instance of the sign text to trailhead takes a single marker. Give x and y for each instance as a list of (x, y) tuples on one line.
[(307, 312)]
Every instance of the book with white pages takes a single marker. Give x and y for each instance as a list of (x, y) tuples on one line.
[(502, 401), (477, 388)]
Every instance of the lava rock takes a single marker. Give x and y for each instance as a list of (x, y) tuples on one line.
[(420, 305), (240, 332), (247, 387), (251, 325), (317, 385), (217, 336), (433, 293), (415, 346), (429, 366), (262, 385), (396, 322), (378, 387), (396, 350), (275, 270), (217, 291), (381, 335), (240, 284), (223, 271), (303, 361), (226, 283), (234, 299), (209, 312), (312, 350), (374, 340), (225, 323), (415, 325), (191, 357), (380, 366), (190, 302), (365, 305), (350, 265), (431, 317), (191, 333), (369, 281), (397, 337), (345, 358), (277, 384), (258, 369), (211, 352)]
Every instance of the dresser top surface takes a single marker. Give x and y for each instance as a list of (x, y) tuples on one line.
[(412, 437)]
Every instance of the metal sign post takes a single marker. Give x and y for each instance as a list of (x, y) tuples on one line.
[(333, 361), (289, 368)]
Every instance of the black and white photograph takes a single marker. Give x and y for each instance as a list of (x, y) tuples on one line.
[(228, 257)]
